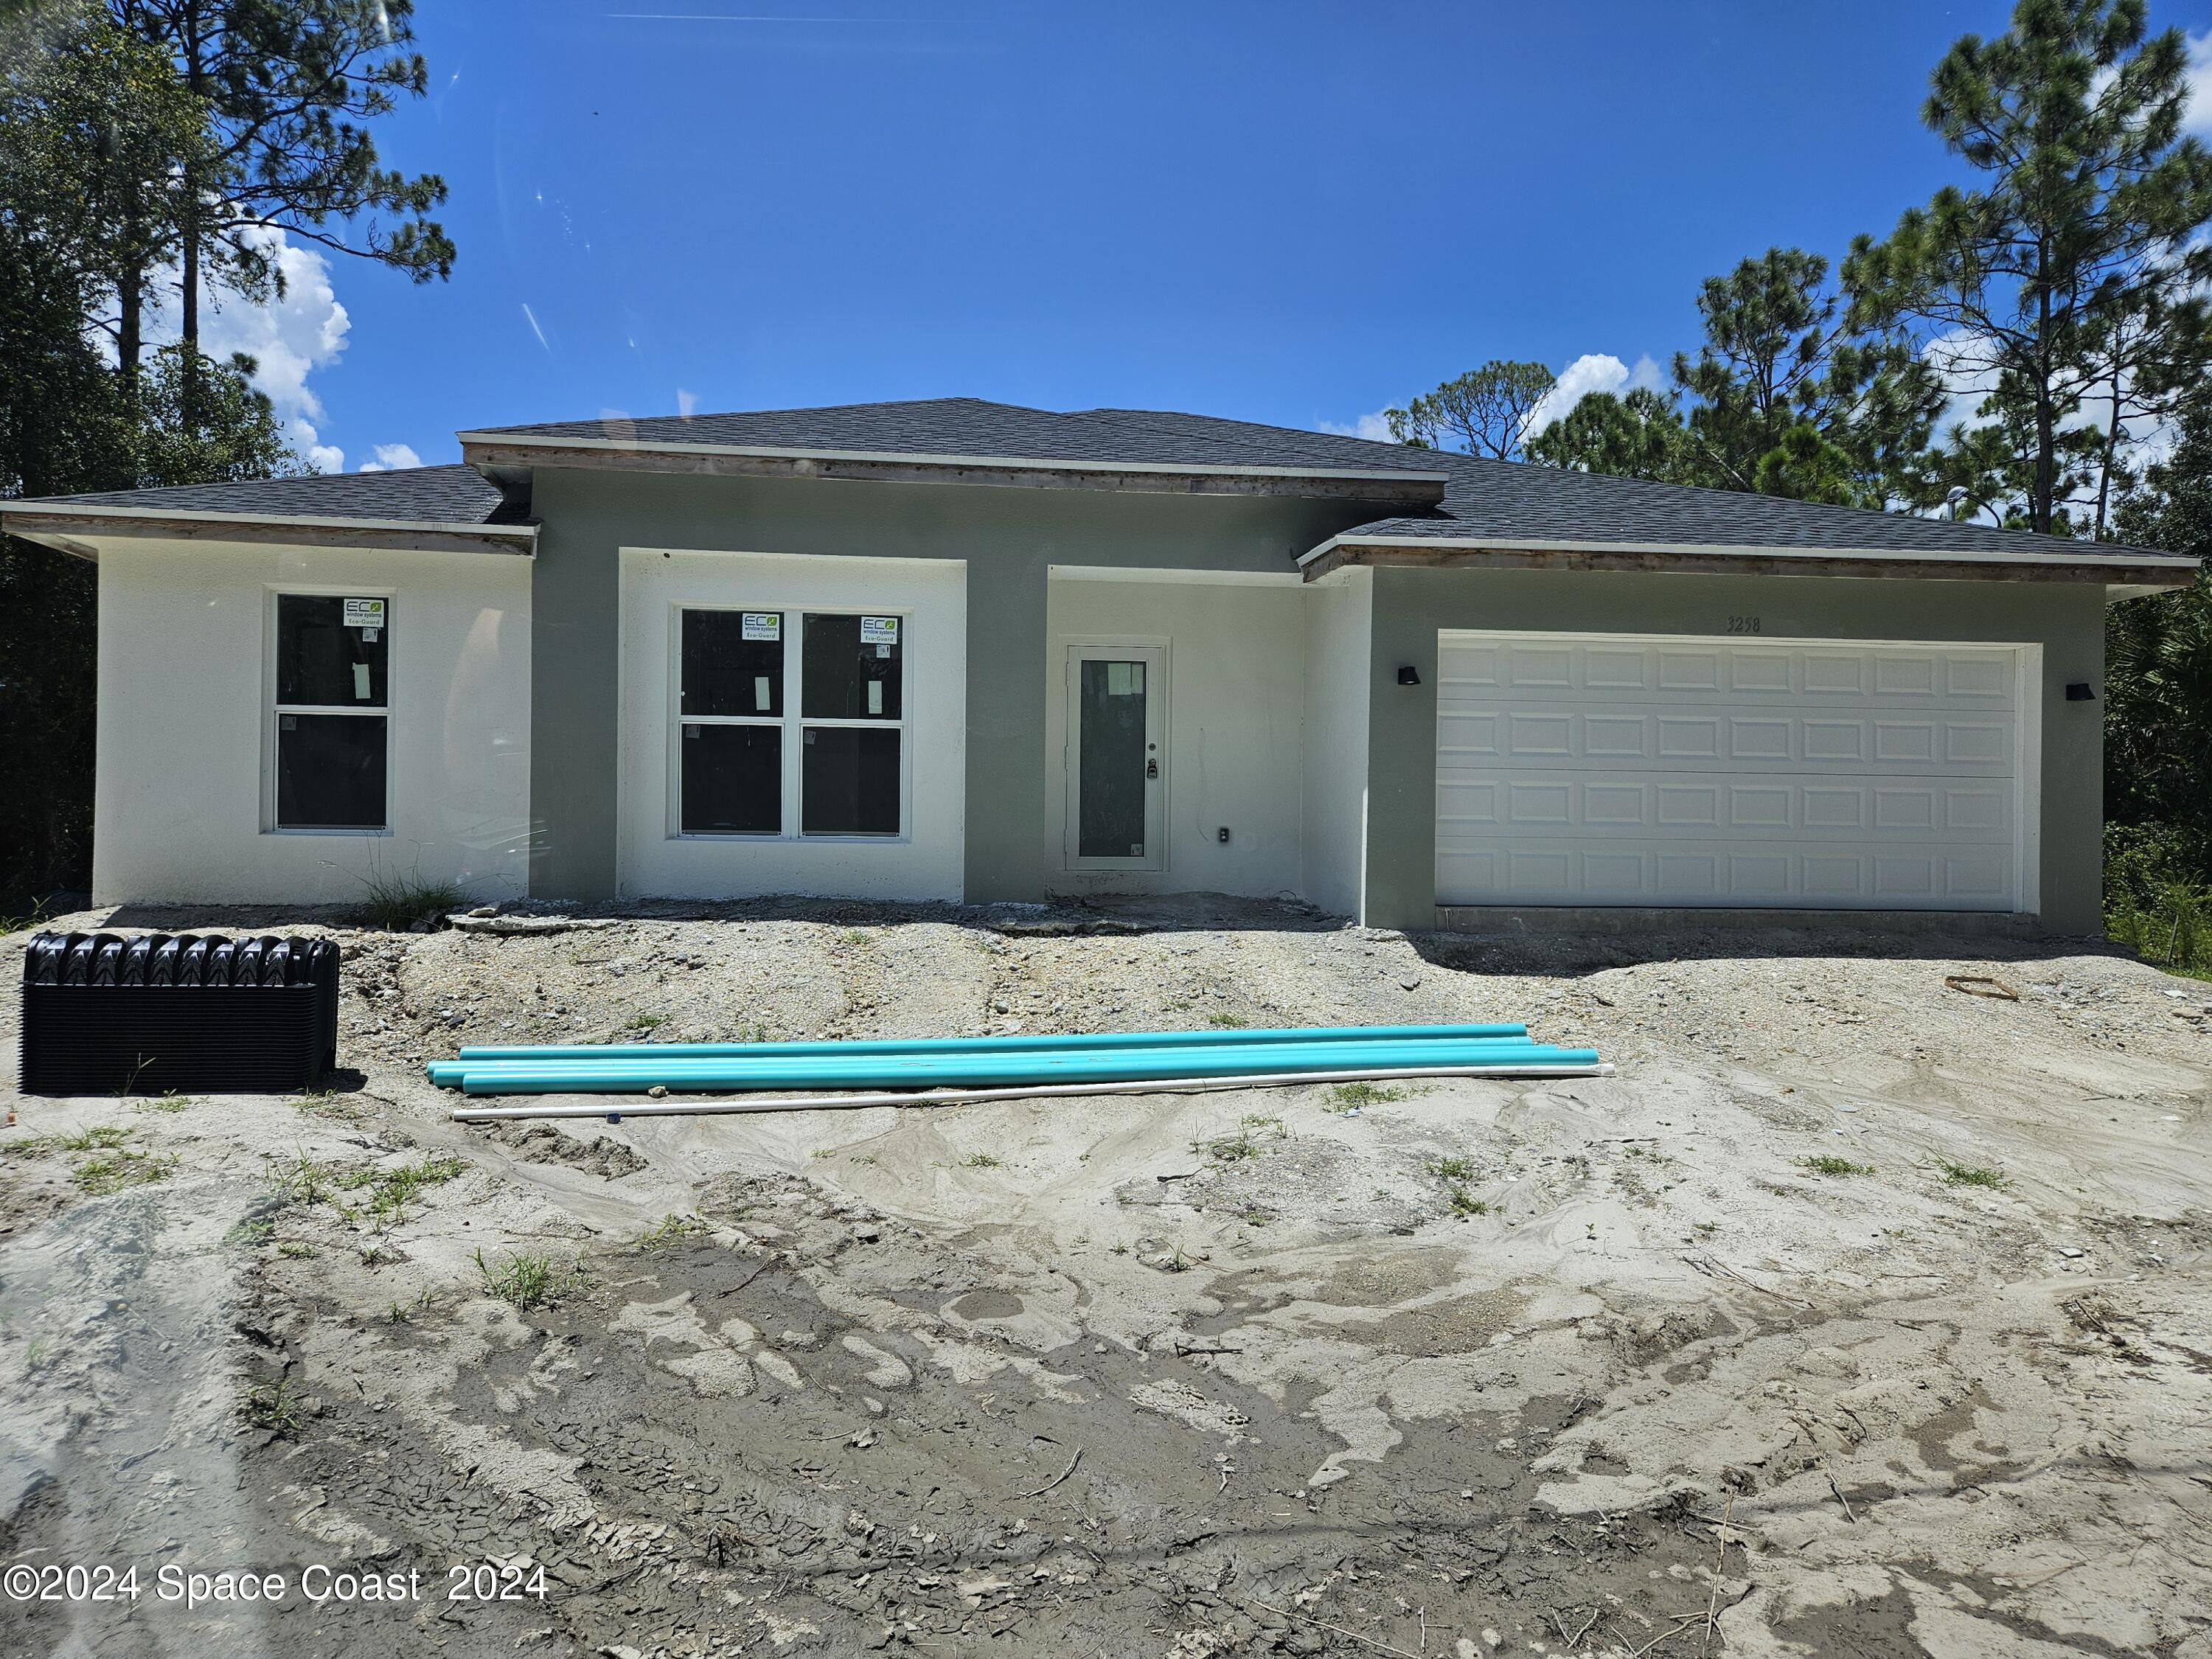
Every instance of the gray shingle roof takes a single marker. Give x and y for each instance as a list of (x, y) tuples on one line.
[(1496, 500), (969, 427), (421, 495), (1484, 500)]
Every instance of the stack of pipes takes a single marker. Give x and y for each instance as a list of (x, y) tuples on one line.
[(937, 1071)]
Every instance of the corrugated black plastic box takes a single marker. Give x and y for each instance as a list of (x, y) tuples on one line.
[(103, 1014)]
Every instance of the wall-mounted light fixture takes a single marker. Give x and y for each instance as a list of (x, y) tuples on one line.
[(1409, 675), (2081, 691)]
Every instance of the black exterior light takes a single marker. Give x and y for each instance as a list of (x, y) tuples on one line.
[(2081, 691), (1409, 675)]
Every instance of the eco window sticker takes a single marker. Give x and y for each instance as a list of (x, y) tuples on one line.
[(879, 631), (761, 625), (364, 613)]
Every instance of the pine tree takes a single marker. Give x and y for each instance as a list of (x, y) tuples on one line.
[(2071, 268)]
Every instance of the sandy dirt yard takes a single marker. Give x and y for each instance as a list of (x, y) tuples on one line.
[(1854, 1316)]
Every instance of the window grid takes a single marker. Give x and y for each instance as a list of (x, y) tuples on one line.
[(793, 722)]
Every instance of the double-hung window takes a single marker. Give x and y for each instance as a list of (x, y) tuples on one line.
[(333, 712), (793, 723)]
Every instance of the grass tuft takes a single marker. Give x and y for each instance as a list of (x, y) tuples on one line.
[(1345, 1095), (981, 1161), (670, 1232), (274, 1406), (100, 1138), (99, 1176), (1465, 1203), (529, 1281), (1972, 1174), (397, 903), (1827, 1164), (1225, 1022), (1451, 1169)]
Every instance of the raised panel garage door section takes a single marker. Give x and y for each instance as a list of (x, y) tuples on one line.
[(1789, 774)]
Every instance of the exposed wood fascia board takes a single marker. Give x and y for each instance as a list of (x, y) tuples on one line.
[(1763, 561), (74, 548), (495, 456), (50, 526)]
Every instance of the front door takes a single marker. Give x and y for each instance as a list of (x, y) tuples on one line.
[(1116, 763)]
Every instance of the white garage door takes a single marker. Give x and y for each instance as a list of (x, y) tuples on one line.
[(1650, 770)]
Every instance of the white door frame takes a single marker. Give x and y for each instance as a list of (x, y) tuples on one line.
[(1153, 653)]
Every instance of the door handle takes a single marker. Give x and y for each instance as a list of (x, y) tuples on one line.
[(1152, 769)]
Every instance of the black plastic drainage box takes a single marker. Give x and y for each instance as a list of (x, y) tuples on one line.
[(103, 1014)]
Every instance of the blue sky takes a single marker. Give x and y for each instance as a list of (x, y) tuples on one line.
[(1291, 213)]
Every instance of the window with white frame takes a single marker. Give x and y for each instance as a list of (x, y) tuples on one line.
[(784, 742), (333, 712)]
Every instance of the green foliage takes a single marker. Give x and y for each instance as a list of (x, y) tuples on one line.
[(1483, 413), (1464, 1203), (99, 1176), (1636, 434), (1972, 1174), (529, 1281), (1787, 400), (672, 1230), (1346, 1096), (397, 903), (2074, 271), (1827, 1164)]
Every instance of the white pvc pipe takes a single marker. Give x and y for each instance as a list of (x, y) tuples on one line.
[(718, 1105)]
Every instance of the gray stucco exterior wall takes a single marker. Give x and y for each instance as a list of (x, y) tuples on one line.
[(1410, 606), (1009, 538)]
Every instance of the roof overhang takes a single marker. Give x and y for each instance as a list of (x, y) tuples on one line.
[(506, 458), (79, 529), (2132, 571)]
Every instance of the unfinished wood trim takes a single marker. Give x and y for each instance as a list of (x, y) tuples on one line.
[(495, 456), (1702, 562), (75, 532)]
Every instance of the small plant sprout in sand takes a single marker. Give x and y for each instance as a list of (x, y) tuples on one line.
[(1464, 1203), (672, 1230), (529, 1281), (1225, 1022), (1970, 1175), (981, 1161), (273, 1407), (1351, 1097), (100, 1138), (1451, 1169), (1827, 1164), (101, 1176)]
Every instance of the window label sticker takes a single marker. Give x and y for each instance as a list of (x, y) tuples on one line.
[(364, 613), (761, 625), (761, 699), (875, 697), (361, 682), (879, 631)]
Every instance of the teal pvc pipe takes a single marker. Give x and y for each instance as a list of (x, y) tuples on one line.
[(942, 1070), (566, 1053)]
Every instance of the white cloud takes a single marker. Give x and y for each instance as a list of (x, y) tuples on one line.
[(687, 403), (1592, 372), (392, 458), (2196, 116), (288, 337), (1375, 428)]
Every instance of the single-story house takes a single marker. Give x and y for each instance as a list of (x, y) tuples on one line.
[(960, 650)]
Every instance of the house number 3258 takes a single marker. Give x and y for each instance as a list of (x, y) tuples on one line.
[(1743, 624)]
